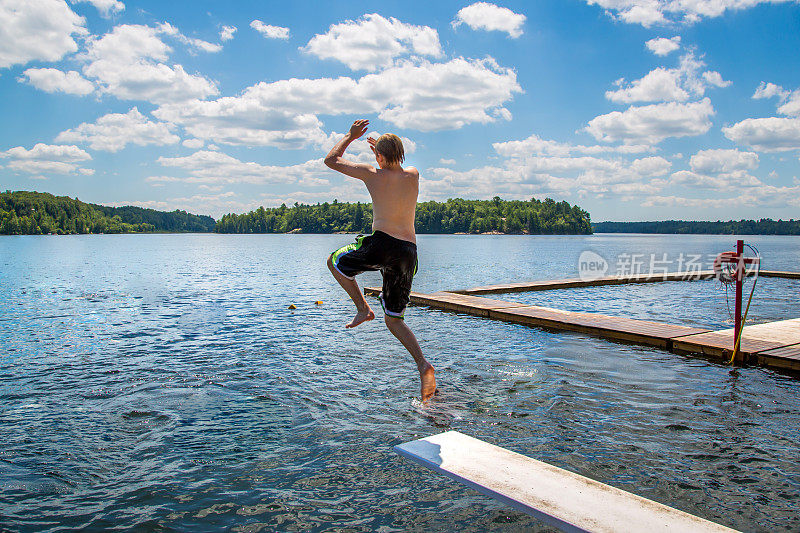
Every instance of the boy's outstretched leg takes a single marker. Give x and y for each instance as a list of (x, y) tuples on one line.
[(404, 334), (364, 312)]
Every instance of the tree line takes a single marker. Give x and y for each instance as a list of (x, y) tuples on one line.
[(455, 215), (35, 213), (763, 226)]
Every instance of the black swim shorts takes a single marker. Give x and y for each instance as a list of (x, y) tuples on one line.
[(395, 258)]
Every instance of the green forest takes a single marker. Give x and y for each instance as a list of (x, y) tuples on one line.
[(453, 216), (36, 213), (763, 226)]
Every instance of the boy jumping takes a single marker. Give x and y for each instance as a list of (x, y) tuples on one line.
[(392, 247)]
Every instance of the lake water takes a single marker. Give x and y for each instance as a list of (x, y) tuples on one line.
[(161, 382)]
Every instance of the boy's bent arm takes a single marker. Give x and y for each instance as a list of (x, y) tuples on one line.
[(335, 161)]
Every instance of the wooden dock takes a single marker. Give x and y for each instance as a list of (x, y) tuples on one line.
[(774, 344), (574, 283), (558, 497)]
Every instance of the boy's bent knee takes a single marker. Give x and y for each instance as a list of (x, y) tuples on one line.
[(392, 320)]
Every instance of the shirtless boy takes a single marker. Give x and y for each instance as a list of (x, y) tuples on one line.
[(392, 247)]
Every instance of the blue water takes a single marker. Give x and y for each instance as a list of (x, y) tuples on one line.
[(160, 382)]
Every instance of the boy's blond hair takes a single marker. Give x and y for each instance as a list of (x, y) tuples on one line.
[(390, 147)]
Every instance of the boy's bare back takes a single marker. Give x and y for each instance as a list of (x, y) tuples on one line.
[(394, 201), (393, 189)]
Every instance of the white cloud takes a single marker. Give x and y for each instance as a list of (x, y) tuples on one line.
[(720, 170), (447, 161), (760, 195), (270, 32), (37, 31), (489, 17), (536, 166), (105, 7), (47, 158), (644, 12), (245, 120), (714, 78), (651, 12), (771, 134), (731, 181), (129, 63), (489, 181), (114, 131), (216, 167), (561, 165), (373, 42), (651, 166), (792, 105), (194, 144), (226, 33), (663, 46), (535, 145), (768, 90), (284, 113), (669, 85), (719, 161), (679, 201), (653, 123), (49, 151), (53, 80), (790, 100), (431, 104), (347, 191), (168, 29), (656, 86)]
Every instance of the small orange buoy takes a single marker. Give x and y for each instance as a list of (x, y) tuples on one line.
[(292, 306), (318, 302)]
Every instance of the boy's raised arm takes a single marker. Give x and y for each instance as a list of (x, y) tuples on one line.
[(335, 161)]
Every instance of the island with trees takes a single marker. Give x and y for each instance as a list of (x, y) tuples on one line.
[(36, 213), (455, 215)]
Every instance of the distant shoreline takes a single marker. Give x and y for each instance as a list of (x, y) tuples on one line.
[(763, 226)]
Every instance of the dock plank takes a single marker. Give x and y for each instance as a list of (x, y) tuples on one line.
[(755, 339), (619, 328), (779, 274), (558, 497), (787, 357), (572, 283)]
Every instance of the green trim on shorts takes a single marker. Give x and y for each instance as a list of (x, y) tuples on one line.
[(347, 249)]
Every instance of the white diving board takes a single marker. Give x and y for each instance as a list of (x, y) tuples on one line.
[(556, 496)]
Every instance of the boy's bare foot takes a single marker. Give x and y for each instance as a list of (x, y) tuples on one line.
[(361, 316), (428, 383)]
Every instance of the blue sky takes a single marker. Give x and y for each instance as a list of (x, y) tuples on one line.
[(633, 109)]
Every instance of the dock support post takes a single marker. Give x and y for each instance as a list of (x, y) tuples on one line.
[(737, 320)]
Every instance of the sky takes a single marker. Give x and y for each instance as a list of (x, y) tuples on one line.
[(632, 109)]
